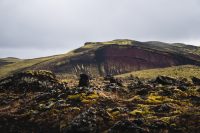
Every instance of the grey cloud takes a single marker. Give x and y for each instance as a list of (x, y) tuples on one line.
[(27, 25)]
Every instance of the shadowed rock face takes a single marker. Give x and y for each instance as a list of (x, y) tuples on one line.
[(120, 59), (103, 59), (115, 59)]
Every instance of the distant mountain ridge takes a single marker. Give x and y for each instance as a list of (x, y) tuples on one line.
[(112, 57)]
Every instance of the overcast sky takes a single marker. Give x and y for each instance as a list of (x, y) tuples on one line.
[(34, 28)]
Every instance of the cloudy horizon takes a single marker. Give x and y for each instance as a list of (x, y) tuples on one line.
[(35, 28)]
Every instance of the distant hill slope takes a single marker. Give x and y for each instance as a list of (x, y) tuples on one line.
[(112, 57), (8, 60), (186, 71), (21, 65)]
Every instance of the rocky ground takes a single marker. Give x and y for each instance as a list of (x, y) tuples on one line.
[(36, 101)]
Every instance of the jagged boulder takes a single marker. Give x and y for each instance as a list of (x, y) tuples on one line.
[(113, 80), (165, 80), (167, 91), (108, 77), (32, 80), (83, 123), (163, 108), (84, 80), (126, 126), (196, 80), (136, 83), (142, 91), (183, 87)]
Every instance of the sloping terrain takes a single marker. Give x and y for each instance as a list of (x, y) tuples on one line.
[(112, 57), (8, 60), (22, 65), (186, 71), (120, 56)]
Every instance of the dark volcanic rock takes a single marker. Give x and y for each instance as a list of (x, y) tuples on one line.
[(164, 108), (139, 106), (196, 81), (183, 87), (84, 80), (158, 126), (167, 91), (143, 91), (30, 81), (136, 83), (195, 99), (113, 80), (83, 123), (112, 87), (116, 81), (126, 126), (165, 80)]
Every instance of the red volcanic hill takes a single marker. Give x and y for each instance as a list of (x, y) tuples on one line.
[(117, 57)]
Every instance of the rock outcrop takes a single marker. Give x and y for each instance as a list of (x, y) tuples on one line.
[(119, 57)]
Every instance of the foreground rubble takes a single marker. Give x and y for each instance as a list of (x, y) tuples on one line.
[(36, 101)]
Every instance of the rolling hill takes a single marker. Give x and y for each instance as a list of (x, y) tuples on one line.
[(8, 60), (111, 57), (185, 71)]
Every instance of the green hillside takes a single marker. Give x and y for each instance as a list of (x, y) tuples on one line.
[(185, 71), (8, 60), (21, 65)]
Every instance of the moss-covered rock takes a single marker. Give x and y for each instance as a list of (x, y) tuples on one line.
[(32, 80)]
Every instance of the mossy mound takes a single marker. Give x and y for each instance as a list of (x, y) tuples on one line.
[(32, 80)]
